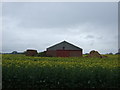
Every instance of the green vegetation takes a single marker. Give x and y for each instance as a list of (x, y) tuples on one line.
[(19, 71)]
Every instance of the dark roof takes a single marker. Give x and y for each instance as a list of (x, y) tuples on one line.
[(63, 43)]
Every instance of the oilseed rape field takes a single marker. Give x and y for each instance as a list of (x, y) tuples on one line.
[(24, 72)]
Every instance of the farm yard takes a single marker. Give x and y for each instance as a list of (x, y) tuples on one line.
[(20, 71)]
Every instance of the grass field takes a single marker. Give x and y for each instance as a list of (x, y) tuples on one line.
[(19, 71)]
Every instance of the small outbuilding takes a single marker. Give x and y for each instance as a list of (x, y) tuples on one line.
[(64, 49), (31, 52)]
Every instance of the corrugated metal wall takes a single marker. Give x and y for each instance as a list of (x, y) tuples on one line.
[(64, 49), (65, 46), (64, 53)]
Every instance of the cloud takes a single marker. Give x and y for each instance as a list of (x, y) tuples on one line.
[(89, 37), (40, 25), (49, 15)]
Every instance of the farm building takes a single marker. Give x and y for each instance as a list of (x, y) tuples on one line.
[(31, 52), (64, 49)]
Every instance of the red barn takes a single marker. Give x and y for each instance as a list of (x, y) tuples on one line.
[(64, 49)]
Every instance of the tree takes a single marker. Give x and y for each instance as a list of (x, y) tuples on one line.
[(14, 52), (110, 53)]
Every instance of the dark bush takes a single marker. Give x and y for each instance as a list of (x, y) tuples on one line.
[(42, 54)]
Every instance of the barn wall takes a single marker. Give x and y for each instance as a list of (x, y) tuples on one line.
[(69, 53), (61, 45), (64, 53)]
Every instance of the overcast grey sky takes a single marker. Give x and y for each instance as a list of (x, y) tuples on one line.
[(89, 25)]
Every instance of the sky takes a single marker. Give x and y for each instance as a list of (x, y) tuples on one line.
[(39, 25)]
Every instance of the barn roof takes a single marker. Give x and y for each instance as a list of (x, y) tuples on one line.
[(65, 44)]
